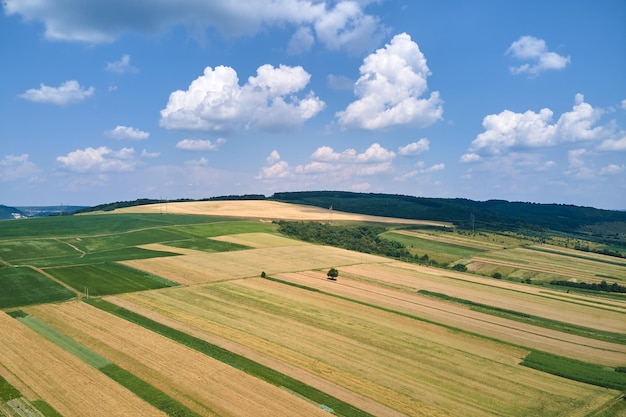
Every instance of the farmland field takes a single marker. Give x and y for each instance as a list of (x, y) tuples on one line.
[(23, 285), (207, 310)]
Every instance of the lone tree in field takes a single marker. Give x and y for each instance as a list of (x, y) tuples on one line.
[(332, 274)]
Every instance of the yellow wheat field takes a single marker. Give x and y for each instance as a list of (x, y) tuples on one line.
[(416, 368), (265, 210), (205, 385), (209, 267), (68, 384)]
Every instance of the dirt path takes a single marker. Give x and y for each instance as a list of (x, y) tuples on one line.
[(79, 294)]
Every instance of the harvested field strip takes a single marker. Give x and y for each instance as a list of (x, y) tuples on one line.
[(415, 367), (206, 245), (453, 239), (234, 360), (246, 345), (260, 240), (211, 267), (523, 298), (605, 259), (534, 320), (553, 263), (140, 388), (205, 385), (66, 383), (464, 320), (579, 371)]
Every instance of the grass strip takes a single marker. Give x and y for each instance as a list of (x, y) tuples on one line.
[(139, 387), (530, 319), (147, 392), (7, 391), (85, 354), (588, 373), (45, 408), (237, 361)]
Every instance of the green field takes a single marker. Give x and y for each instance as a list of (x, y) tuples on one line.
[(440, 252), (24, 286), (107, 278)]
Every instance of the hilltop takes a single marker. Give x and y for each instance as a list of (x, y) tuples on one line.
[(606, 226)]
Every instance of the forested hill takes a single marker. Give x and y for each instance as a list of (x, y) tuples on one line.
[(492, 214), (7, 212)]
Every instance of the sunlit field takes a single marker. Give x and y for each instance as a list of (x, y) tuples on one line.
[(198, 314)]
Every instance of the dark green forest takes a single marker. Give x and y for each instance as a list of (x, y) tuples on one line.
[(605, 226)]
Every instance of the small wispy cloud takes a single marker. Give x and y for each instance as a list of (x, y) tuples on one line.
[(535, 51), (122, 66)]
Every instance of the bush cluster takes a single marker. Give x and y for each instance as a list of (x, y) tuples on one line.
[(594, 286)]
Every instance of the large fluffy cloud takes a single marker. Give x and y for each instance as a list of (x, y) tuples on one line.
[(97, 160), (389, 91), (216, 102), (509, 130), (534, 50), (341, 24), (67, 93)]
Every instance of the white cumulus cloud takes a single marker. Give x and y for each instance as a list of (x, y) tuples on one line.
[(508, 130), (126, 132), (613, 145), (18, 167), (302, 41), (534, 50), (100, 159), (67, 93), (415, 148), (199, 144), (612, 169), (346, 27), (121, 66), (389, 91), (216, 102)]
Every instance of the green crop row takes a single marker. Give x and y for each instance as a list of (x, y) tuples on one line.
[(588, 373), (147, 392), (8, 391), (240, 362)]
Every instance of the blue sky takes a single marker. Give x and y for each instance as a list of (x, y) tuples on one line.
[(115, 100)]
